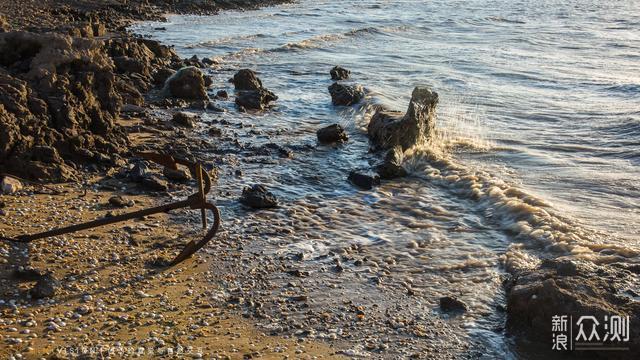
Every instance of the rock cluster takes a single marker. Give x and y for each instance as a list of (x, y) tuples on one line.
[(61, 96), (250, 94)]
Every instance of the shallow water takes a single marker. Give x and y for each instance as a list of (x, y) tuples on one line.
[(538, 147)]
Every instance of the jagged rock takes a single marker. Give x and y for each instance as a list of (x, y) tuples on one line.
[(215, 108), (345, 95), (339, 73), (258, 197), (250, 92), (188, 83), (75, 106), (10, 185), (178, 175), (391, 166), (125, 64), (332, 134), (45, 287), (364, 179), (388, 129), (452, 304), (184, 119)]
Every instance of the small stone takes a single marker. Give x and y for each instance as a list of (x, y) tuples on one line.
[(45, 287), (178, 175), (332, 134), (119, 201), (451, 304), (364, 179), (10, 185), (222, 94), (339, 73), (258, 197), (155, 183), (184, 119)]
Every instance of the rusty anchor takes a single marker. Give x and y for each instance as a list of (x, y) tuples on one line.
[(195, 201)]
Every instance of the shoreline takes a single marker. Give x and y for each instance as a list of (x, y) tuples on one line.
[(108, 299), (147, 116)]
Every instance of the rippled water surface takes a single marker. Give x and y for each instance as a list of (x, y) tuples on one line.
[(538, 148)]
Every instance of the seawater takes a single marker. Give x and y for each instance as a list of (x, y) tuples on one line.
[(537, 147)]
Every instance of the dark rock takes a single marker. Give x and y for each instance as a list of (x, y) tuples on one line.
[(27, 274), (388, 129), (184, 119), (364, 179), (346, 95), (339, 73), (258, 197), (161, 75), (125, 64), (256, 100), (214, 131), (209, 62), (250, 92), (222, 94), (188, 83), (179, 175), (121, 202), (139, 171), (154, 183), (332, 134), (246, 79), (391, 166), (451, 304), (215, 108), (45, 287)]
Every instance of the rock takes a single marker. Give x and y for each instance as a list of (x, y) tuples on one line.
[(4, 25), (184, 119), (45, 287), (364, 179), (250, 92), (139, 171), (391, 166), (346, 95), (256, 100), (388, 129), (214, 131), (179, 175), (121, 202), (161, 75), (451, 304), (153, 182), (571, 288), (127, 65), (215, 108), (246, 79), (188, 83), (258, 197), (339, 73), (332, 134), (26, 274), (10, 185), (57, 92), (222, 94)]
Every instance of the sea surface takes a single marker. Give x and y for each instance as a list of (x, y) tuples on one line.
[(537, 151)]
